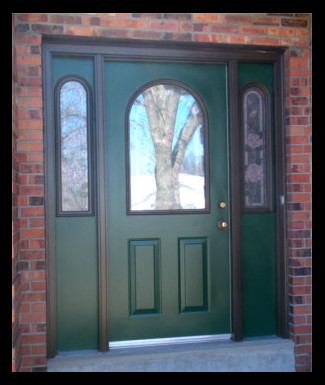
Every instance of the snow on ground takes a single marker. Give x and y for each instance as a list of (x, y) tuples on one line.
[(143, 192)]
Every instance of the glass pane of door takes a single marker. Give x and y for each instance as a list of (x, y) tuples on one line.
[(167, 134)]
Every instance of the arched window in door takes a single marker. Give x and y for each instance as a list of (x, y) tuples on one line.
[(167, 137)]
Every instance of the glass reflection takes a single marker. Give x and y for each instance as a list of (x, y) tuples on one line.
[(166, 143), (255, 149), (74, 147)]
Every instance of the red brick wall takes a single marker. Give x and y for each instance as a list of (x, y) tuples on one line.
[(16, 287), (298, 118), (292, 30)]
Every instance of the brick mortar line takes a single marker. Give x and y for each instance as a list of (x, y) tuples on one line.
[(172, 20)]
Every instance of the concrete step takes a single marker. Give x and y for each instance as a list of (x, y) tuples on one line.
[(251, 355)]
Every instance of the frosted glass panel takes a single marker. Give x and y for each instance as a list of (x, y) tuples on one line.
[(257, 160)]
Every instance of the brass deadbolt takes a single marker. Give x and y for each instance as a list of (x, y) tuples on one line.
[(222, 225), (222, 205)]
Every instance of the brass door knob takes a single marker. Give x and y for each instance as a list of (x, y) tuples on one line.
[(222, 224)]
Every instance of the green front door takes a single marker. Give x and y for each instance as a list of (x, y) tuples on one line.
[(167, 189), (165, 186)]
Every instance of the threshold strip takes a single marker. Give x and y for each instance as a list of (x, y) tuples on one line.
[(167, 341)]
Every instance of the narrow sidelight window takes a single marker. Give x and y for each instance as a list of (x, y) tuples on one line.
[(167, 150), (256, 148), (74, 155)]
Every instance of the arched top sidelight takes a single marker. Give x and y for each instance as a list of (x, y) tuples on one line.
[(256, 148), (74, 147), (167, 151)]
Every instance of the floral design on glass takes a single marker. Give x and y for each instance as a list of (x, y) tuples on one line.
[(254, 148)]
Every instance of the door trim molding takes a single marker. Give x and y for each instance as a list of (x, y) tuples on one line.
[(186, 52), (282, 295), (235, 202), (101, 204)]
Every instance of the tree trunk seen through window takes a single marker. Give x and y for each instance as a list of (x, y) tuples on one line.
[(173, 119)]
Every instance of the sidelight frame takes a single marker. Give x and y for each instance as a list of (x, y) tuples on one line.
[(268, 145)]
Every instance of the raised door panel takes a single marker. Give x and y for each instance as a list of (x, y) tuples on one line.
[(193, 275), (144, 277)]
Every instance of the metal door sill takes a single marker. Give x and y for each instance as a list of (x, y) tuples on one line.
[(167, 341)]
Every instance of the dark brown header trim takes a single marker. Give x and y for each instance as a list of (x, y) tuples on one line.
[(141, 50)]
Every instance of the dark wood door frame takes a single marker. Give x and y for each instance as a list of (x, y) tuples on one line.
[(161, 51)]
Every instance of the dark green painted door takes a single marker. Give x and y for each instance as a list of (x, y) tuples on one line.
[(168, 271)]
